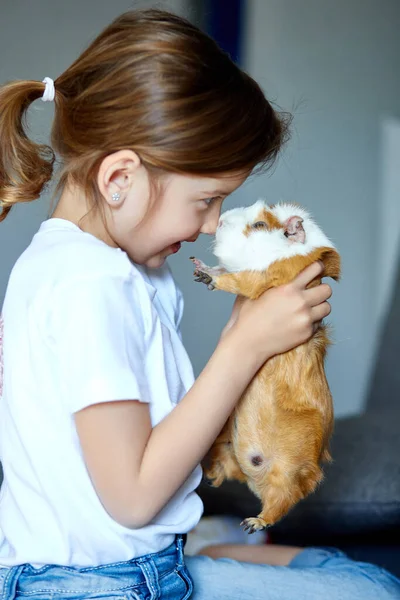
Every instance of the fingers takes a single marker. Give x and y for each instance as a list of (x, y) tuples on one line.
[(316, 326), (308, 274), (318, 294), (320, 312)]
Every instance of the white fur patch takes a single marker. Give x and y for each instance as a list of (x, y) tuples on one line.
[(257, 251)]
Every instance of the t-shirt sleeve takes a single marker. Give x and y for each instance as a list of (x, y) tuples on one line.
[(98, 338)]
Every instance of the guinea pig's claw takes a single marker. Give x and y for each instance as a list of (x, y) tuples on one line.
[(246, 526), (252, 524), (202, 277), (209, 482)]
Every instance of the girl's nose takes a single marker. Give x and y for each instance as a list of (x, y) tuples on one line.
[(211, 224)]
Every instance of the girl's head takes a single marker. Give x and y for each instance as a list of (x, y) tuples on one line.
[(154, 111)]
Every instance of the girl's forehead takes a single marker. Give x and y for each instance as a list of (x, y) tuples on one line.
[(216, 185)]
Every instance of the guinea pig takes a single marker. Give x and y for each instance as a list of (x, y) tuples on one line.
[(278, 435)]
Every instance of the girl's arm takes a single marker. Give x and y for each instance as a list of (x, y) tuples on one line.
[(136, 469)]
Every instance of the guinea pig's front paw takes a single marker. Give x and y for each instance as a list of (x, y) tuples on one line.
[(252, 524), (203, 273), (203, 277), (200, 266)]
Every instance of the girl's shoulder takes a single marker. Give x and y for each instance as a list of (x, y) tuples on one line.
[(64, 246), (64, 266), (61, 254), (62, 261)]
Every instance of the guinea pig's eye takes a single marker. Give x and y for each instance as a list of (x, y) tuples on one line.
[(259, 225)]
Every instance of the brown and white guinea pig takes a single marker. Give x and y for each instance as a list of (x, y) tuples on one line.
[(279, 432)]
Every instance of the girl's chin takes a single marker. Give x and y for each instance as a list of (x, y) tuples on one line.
[(159, 259), (155, 261)]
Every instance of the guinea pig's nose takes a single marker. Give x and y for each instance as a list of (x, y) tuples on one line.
[(220, 223)]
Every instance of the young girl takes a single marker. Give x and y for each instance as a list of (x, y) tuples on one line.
[(102, 426)]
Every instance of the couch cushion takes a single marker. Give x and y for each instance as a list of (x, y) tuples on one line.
[(360, 494), (385, 378)]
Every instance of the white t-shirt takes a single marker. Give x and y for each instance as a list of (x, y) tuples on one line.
[(82, 325)]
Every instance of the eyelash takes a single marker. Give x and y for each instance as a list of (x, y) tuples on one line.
[(209, 201), (259, 225)]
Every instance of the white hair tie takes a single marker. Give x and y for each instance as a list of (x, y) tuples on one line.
[(49, 92)]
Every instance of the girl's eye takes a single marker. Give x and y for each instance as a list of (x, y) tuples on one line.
[(259, 225), (209, 201)]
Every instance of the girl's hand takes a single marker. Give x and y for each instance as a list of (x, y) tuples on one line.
[(237, 305), (281, 318)]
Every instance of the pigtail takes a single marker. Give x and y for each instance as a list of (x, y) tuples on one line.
[(25, 167)]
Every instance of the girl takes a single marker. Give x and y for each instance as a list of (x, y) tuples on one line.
[(102, 426)]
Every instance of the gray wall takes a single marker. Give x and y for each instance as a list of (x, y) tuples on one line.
[(334, 64)]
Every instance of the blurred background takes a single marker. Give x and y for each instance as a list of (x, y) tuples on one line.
[(334, 66)]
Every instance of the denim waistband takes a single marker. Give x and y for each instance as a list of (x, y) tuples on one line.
[(133, 574)]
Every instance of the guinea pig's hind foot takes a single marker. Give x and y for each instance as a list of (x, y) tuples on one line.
[(252, 524), (215, 475)]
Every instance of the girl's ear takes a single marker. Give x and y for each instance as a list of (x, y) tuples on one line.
[(116, 174)]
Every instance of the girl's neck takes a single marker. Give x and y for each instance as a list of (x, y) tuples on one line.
[(73, 207)]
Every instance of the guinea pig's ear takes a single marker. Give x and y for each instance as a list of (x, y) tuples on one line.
[(331, 259), (294, 230)]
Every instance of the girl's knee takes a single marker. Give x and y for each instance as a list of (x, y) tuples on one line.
[(384, 585), (318, 557), (371, 581)]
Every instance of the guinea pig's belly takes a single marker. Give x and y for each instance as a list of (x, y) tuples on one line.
[(256, 416)]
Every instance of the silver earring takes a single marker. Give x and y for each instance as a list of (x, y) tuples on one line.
[(116, 197)]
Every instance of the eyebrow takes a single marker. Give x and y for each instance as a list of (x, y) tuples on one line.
[(216, 193)]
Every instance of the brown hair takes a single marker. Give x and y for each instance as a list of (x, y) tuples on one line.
[(151, 82)]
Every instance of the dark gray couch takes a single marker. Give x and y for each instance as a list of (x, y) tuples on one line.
[(357, 508)]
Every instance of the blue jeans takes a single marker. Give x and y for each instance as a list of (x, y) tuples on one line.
[(162, 575), (314, 574)]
